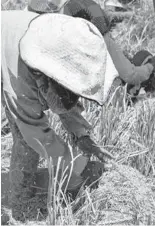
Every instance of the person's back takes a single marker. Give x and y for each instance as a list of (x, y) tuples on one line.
[(14, 24)]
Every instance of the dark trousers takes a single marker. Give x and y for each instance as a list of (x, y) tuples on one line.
[(23, 166)]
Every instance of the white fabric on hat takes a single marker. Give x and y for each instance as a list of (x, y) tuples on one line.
[(69, 50), (110, 75)]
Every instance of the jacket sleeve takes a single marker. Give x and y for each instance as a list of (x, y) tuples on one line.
[(128, 72), (72, 119), (74, 122), (27, 111)]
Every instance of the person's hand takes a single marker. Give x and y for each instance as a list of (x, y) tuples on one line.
[(150, 83), (87, 145)]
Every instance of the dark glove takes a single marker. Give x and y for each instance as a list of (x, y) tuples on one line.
[(140, 58), (150, 83), (90, 148)]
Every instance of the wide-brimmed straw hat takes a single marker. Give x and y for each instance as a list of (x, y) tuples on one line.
[(46, 6), (71, 51)]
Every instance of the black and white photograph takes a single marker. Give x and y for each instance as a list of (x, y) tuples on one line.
[(77, 112)]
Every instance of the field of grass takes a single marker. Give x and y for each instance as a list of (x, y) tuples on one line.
[(126, 194)]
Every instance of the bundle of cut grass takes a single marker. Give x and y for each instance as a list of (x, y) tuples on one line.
[(122, 198)]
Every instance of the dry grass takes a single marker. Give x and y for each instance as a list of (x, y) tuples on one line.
[(121, 198), (124, 195), (138, 32)]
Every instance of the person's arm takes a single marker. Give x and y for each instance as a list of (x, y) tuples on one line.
[(75, 124), (92, 12), (127, 71), (71, 119), (27, 111)]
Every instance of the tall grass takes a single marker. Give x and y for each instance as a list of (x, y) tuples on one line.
[(128, 132), (138, 32)]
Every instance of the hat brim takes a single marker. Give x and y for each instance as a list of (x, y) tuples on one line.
[(72, 52)]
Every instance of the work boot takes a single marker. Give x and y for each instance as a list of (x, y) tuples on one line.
[(92, 173), (89, 177), (42, 181)]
